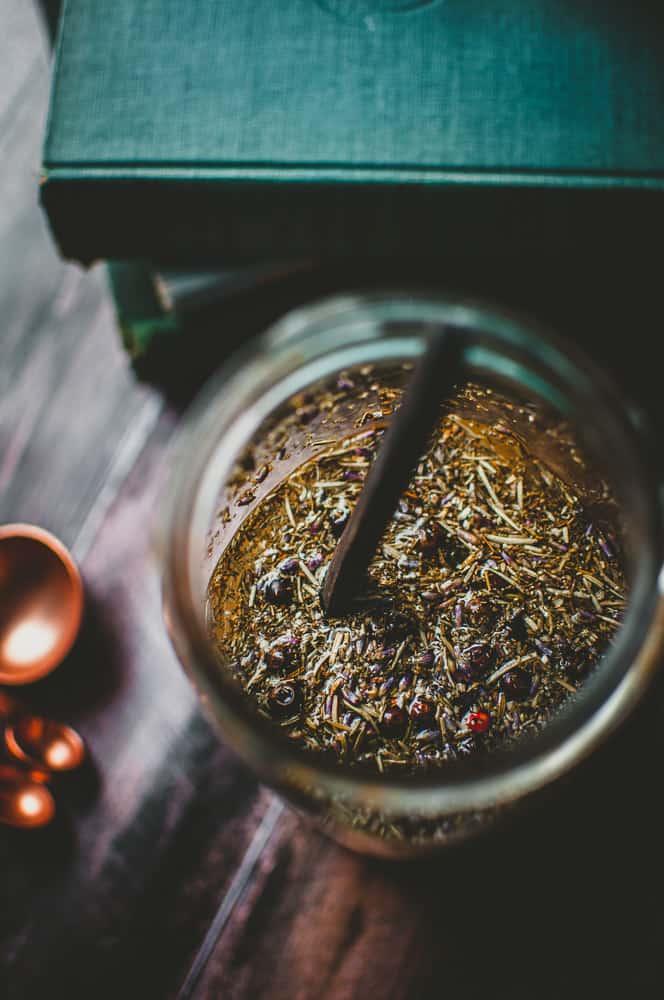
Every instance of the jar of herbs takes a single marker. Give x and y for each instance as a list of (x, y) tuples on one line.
[(512, 613)]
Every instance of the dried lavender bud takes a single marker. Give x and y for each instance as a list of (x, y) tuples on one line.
[(363, 453), (516, 684), (245, 498), (386, 686), (395, 720), (431, 597), (353, 476), (262, 474), (314, 561), (426, 659), (289, 566), (427, 736)]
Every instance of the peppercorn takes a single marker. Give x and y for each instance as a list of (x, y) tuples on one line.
[(429, 539), (284, 700), (480, 612), (517, 626), (423, 713), (473, 661), (395, 720), (516, 684), (478, 722), (453, 552), (283, 653), (278, 591), (338, 521)]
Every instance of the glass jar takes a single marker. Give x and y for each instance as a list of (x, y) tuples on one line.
[(384, 814)]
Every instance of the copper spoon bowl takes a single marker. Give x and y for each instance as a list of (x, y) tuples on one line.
[(24, 802), (44, 744), (41, 603)]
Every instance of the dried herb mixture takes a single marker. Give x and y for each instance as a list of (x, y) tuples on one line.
[(494, 593)]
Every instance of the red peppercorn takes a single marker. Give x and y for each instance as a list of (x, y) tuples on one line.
[(395, 720), (478, 722)]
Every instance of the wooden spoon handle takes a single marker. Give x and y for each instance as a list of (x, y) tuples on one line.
[(404, 443)]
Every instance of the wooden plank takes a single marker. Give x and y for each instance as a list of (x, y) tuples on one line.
[(132, 874), (68, 403), (559, 902), (23, 55)]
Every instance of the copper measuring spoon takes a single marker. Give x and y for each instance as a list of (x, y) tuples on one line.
[(38, 743), (43, 743), (41, 603), (25, 802)]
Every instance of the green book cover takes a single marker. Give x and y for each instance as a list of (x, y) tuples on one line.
[(239, 131)]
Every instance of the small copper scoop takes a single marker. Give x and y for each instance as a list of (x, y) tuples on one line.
[(44, 744), (41, 603), (24, 801), (41, 744)]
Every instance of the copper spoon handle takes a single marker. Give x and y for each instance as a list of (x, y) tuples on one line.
[(404, 443)]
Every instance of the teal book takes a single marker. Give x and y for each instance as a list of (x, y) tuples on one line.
[(231, 132)]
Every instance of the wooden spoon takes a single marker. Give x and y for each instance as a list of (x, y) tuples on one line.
[(405, 441)]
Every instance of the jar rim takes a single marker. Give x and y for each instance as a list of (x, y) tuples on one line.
[(310, 332)]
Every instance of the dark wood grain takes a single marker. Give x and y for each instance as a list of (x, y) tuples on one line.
[(148, 839), (562, 901)]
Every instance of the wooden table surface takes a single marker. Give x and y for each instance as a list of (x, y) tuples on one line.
[(167, 864)]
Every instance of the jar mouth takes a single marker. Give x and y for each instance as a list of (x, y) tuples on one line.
[(321, 340)]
